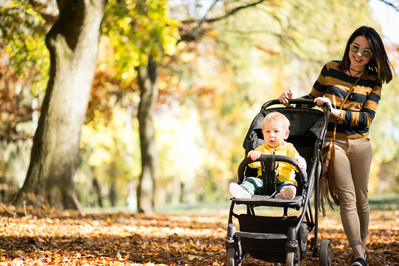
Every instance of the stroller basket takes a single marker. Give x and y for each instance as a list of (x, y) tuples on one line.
[(269, 243)]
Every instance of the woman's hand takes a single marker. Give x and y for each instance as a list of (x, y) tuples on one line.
[(285, 97), (320, 101)]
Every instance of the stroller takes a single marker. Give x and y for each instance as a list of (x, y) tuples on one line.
[(281, 239)]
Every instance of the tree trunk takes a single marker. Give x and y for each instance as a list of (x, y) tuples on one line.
[(97, 192), (147, 77), (73, 45)]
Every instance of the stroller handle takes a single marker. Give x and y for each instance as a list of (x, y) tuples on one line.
[(277, 158), (296, 101)]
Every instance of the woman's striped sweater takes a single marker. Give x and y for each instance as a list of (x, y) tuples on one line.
[(359, 109)]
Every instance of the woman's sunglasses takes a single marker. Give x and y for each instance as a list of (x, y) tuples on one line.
[(355, 49)]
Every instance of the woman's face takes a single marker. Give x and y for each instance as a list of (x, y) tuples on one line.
[(359, 53)]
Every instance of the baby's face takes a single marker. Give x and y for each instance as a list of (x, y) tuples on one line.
[(274, 134)]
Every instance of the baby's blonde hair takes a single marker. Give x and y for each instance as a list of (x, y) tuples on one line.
[(276, 118)]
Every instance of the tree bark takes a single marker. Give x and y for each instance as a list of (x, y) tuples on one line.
[(73, 44), (147, 77)]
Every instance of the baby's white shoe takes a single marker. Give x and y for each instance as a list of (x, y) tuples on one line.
[(238, 191)]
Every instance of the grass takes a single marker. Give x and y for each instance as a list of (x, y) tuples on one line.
[(385, 201), (377, 202)]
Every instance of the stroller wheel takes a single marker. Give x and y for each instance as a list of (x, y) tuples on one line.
[(233, 257), (303, 240), (292, 259), (325, 253)]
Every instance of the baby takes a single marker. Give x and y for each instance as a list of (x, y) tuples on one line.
[(275, 129)]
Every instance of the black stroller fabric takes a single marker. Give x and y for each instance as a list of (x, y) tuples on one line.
[(307, 128), (307, 125), (256, 247), (268, 173)]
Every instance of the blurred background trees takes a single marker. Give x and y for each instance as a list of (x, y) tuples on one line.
[(214, 64)]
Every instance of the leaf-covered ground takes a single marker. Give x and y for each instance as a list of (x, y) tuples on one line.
[(40, 237)]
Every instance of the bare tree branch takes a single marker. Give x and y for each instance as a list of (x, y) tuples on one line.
[(231, 12), (391, 5), (198, 31), (206, 13)]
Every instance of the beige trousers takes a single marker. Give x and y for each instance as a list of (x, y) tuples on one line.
[(352, 169)]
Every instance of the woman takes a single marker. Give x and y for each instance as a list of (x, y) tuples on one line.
[(365, 66)]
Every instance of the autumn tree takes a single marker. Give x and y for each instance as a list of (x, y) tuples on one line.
[(144, 35), (149, 28), (151, 34), (73, 45), (23, 71)]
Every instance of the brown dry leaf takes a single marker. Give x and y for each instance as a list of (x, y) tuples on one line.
[(63, 238)]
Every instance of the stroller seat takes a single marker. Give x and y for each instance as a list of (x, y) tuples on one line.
[(268, 162)]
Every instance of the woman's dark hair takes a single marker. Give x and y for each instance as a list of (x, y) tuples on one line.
[(379, 62)]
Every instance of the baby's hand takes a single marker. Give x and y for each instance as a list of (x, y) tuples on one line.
[(255, 155), (301, 163)]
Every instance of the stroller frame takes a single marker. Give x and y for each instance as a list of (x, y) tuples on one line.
[(281, 239)]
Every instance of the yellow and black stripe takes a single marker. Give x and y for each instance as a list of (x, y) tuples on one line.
[(359, 109)]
